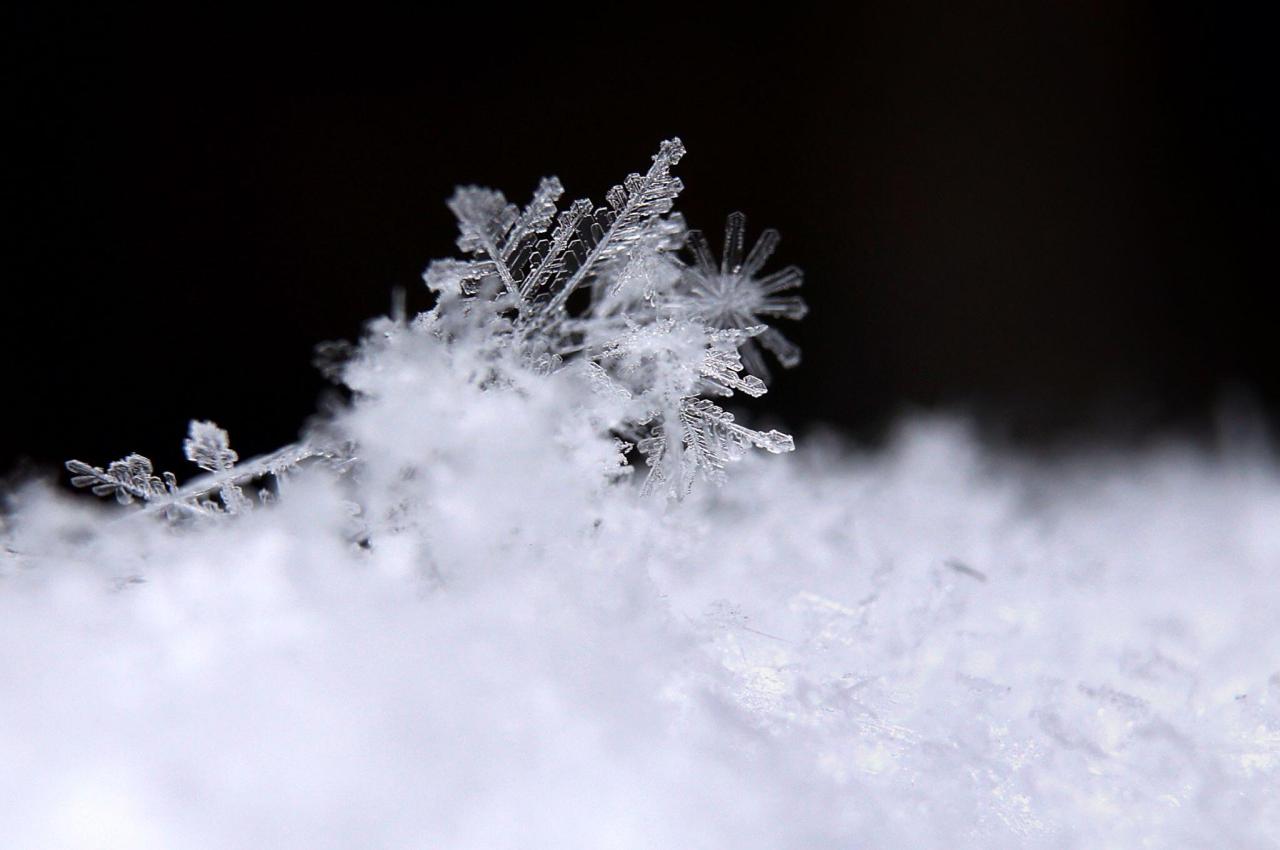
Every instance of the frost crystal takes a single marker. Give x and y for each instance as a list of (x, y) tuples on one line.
[(595, 294), (512, 246), (731, 296), (651, 330), (208, 447), (128, 479)]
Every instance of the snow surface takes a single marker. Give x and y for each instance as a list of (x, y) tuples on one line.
[(930, 646)]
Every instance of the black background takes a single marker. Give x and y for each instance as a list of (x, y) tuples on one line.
[(1059, 219)]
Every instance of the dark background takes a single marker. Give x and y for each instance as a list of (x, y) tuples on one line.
[(1059, 219)]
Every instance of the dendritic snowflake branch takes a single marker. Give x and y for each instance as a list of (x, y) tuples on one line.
[(614, 229), (133, 480)]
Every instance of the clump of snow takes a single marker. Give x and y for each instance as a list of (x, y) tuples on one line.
[(931, 646), (460, 623)]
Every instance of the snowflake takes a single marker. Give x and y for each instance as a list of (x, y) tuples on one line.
[(133, 478), (731, 296)]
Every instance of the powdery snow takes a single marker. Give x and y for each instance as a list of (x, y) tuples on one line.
[(927, 647)]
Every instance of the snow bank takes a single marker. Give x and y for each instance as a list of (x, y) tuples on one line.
[(927, 647)]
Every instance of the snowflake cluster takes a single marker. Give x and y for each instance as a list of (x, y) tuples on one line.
[(599, 292)]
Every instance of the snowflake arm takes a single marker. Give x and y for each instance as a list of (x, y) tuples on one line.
[(209, 447), (512, 247), (499, 233), (707, 439), (612, 230), (722, 366), (133, 478), (130, 479)]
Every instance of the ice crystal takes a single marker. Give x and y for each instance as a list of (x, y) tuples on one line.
[(133, 479), (730, 295), (664, 368), (594, 292), (662, 333), (209, 447), (538, 272)]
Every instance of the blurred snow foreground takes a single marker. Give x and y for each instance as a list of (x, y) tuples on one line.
[(458, 623)]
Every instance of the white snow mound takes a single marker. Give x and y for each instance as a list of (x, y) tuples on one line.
[(932, 646)]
